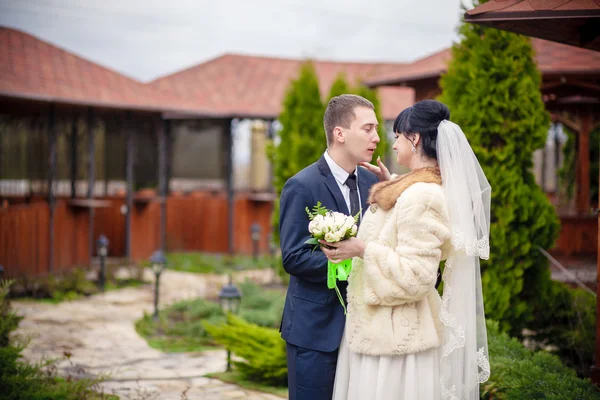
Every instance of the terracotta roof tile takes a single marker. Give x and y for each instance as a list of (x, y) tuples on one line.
[(33, 68), (231, 85), (243, 85), (580, 5), (507, 6), (492, 6), (552, 58)]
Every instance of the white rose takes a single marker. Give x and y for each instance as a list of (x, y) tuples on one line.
[(348, 223), (316, 225), (319, 219), (331, 224), (312, 226), (330, 237), (338, 218)]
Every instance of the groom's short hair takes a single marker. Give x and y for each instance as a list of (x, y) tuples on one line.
[(340, 112)]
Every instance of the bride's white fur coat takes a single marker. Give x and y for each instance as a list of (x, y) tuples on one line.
[(393, 306)]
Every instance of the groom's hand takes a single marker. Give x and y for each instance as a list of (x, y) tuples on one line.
[(344, 250), (380, 171)]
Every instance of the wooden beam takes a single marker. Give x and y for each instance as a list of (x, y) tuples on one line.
[(552, 85), (105, 147), (163, 127), (91, 179), (595, 372), (585, 85), (74, 129), (583, 164), (571, 82), (129, 176), (169, 155), (227, 153), (51, 179), (564, 119)]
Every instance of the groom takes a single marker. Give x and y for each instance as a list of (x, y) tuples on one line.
[(313, 318)]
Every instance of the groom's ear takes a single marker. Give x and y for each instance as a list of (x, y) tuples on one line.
[(338, 135)]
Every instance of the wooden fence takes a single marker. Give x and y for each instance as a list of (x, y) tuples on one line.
[(578, 236), (195, 222)]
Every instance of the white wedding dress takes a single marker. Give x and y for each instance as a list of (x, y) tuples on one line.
[(407, 377)]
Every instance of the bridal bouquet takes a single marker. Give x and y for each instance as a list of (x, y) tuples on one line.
[(332, 227)]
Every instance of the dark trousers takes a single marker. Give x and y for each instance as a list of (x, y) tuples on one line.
[(311, 373)]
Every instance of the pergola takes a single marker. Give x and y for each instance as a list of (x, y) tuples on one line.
[(86, 151), (572, 22)]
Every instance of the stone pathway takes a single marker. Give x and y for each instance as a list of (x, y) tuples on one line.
[(98, 332)]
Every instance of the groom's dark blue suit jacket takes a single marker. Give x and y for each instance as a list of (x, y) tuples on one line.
[(313, 317)]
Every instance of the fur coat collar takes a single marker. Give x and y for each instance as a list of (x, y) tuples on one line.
[(386, 193)]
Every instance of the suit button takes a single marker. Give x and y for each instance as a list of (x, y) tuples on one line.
[(373, 208)]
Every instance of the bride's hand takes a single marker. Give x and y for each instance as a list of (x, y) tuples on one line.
[(349, 248), (381, 170)]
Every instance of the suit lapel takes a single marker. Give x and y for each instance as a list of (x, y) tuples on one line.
[(332, 185)]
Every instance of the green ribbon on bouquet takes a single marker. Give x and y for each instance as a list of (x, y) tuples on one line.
[(338, 271)]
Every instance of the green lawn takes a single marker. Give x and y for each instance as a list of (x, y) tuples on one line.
[(179, 326), (69, 285), (205, 263)]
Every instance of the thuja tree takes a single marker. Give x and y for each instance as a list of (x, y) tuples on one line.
[(492, 89), (302, 137)]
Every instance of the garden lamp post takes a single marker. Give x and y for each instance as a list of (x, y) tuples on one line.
[(102, 251), (158, 262), (1, 271), (255, 235), (230, 298), (272, 245)]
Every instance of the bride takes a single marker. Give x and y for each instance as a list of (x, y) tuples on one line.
[(401, 340)]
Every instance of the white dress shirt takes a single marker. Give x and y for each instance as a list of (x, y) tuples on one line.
[(341, 176)]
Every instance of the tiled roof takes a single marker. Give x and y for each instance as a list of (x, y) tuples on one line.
[(241, 85), (231, 85), (507, 6), (32, 68), (552, 59), (431, 66), (564, 21)]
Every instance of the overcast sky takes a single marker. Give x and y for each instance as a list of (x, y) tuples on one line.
[(145, 39)]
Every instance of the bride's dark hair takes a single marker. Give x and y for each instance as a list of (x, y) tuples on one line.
[(424, 118)]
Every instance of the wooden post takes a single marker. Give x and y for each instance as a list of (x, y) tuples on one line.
[(51, 178), (129, 160), (105, 140), (169, 155), (583, 152), (91, 179), (163, 127), (595, 371), (228, 128), (74, 129)]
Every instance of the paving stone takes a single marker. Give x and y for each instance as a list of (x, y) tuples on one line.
[(98, 335)]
